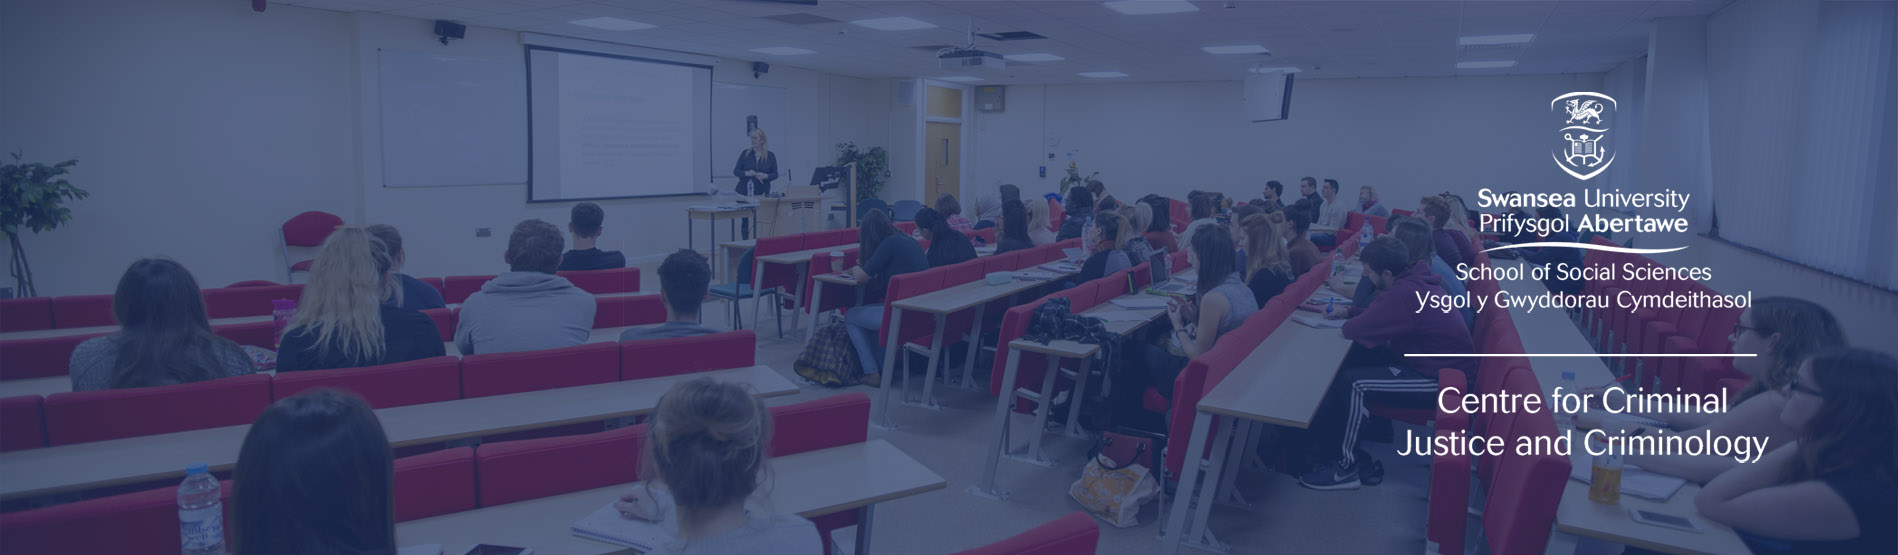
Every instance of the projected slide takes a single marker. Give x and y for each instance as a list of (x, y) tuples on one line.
[(607, 126)]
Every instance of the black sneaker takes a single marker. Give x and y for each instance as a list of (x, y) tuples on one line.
[(1330, 477), (1373, 473)]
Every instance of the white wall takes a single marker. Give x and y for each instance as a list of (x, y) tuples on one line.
[(201, 126), (1407, 137)]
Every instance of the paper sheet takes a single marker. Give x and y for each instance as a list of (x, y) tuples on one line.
[(1117, 315), (1139, 303), (1634, 481), (1316, 320)]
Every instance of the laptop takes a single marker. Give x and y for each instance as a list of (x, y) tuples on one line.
[(1163, 284)]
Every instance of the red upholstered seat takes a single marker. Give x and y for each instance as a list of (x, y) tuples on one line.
[(1179, 214), (82, 311), (84, 416), (503, 373), (600, 282), (444, 321), (22, 423), (308, 229), (39, 357), (429, 380), (236, 302), (456, 289), (435, 483), (835, 296), (628, 310), (436, 283), (1447, 514), (138, 523), (1074, 534), (820, 424), (511, 471), (302, 265), (28, 314), (256, 334), (654, 358), (1523, 497), (1057, 214)]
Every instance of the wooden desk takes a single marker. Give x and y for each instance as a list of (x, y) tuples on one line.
[(856, 476), (121, 461), (711, 215), (598, 335), (1581, 517), (100, 330)]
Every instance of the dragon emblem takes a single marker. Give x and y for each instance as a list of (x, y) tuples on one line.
[(1584, 111)]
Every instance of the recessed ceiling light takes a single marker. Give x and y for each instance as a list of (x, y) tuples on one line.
[(1282, 69), (1036, 57), (1150, 7), (783, 51), (612, 24), (893, 23), (1495, 39), (1490, 64), (1236, 49), (960, 78), (1102, 74)]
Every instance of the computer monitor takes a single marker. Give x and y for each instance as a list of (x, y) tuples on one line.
[(828, 177)]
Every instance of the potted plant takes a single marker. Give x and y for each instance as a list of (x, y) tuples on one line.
[(873, 167), (31, 196), (1074, 178)]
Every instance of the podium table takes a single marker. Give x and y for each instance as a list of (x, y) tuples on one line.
[(788, 215)]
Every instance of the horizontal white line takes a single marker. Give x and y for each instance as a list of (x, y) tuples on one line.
[(1588, 355)]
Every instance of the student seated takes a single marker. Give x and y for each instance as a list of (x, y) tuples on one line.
[(1268, 270), (1014, 223), (1273, 190), (1308, 192), (1202, 207), (164, 337), (343, 319), (1415, 235), (1097, 189), (1780, 332), (890, 253), (529, 308), (1455, 247), (1080, 208), (1107, 257), (1831, 490), (1368, 204), (1219, 305), (1333, 212), (1159, 227), (1393, 325), (412, 294), (951, 212), (988, 211), (1240, 213), (1138, 216), (705, 456), (314, 476), (585, 225), (1039, 228), (684, 278), (946, 246), (1299, 249)]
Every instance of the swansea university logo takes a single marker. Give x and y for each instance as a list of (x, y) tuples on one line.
[(1582, 150)]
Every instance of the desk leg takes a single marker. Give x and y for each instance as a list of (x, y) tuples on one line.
[(1174, 528), (817, 295), (1074, 400), (986, 488), (1043, 407), (757, 295), (864, 517), (929, 373), (797, 300), (1227, 493), (1197, 535), (975, 347), (891, 349)]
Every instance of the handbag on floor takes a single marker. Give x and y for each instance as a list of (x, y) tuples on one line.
[(1118, 481), (829, 359)]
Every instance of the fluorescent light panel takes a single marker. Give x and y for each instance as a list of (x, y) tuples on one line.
[(1150, 7), (1484, 40), (960, 78), (1490, 64), (783, 51), (612, 24), (1036, 57), (1236, 49), (898, 23), (1102, 74)]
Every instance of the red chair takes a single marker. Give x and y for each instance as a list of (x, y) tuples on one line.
[(138, 523), (22, 423), (1522, 500), (436, 283), (308, 230), (511, 471), (444, 321), (1179, 214), (435, 483), (653, 358), (456, 289), (82, 311), (628, 310), (1447, 515), (821, 424), (83, 416), (1074, 534), (836, 296), (35, 313), (1057, 214), (237, 302), (429, 380), (256, 334), (40, 357), (600, 282), (503, 373)]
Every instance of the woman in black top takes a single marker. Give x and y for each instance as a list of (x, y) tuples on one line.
[(884, 253), (757, 167), (1268, 270), (342, 321), (1014, 234), (946, 245)]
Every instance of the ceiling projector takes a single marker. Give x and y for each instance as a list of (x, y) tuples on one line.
[(969, 58)]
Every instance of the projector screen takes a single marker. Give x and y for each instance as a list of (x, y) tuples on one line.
[(604, 126)]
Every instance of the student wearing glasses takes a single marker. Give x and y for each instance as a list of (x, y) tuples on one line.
[(1781, 332)]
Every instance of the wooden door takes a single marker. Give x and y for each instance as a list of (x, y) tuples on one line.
[(943, 172)]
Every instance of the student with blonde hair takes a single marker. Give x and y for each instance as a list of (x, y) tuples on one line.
[(1452, 245), (1268, 268), (1038, 229), (704, 457), (342, 321), (411, 294), (1368, 204), (1138, 215)]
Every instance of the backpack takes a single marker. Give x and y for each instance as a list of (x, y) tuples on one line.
[(829, 359)]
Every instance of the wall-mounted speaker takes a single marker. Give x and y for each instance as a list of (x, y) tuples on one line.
[(449, 30)]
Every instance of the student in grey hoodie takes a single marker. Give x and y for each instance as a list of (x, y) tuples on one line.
[(528, 308)]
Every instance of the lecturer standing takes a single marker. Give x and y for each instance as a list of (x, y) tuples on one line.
[(757, 167)]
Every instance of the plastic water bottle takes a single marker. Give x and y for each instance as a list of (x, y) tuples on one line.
[(1564, 419), (1364, 237), (200, 513)]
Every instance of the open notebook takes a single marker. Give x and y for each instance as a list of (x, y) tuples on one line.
[(606, 524)]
